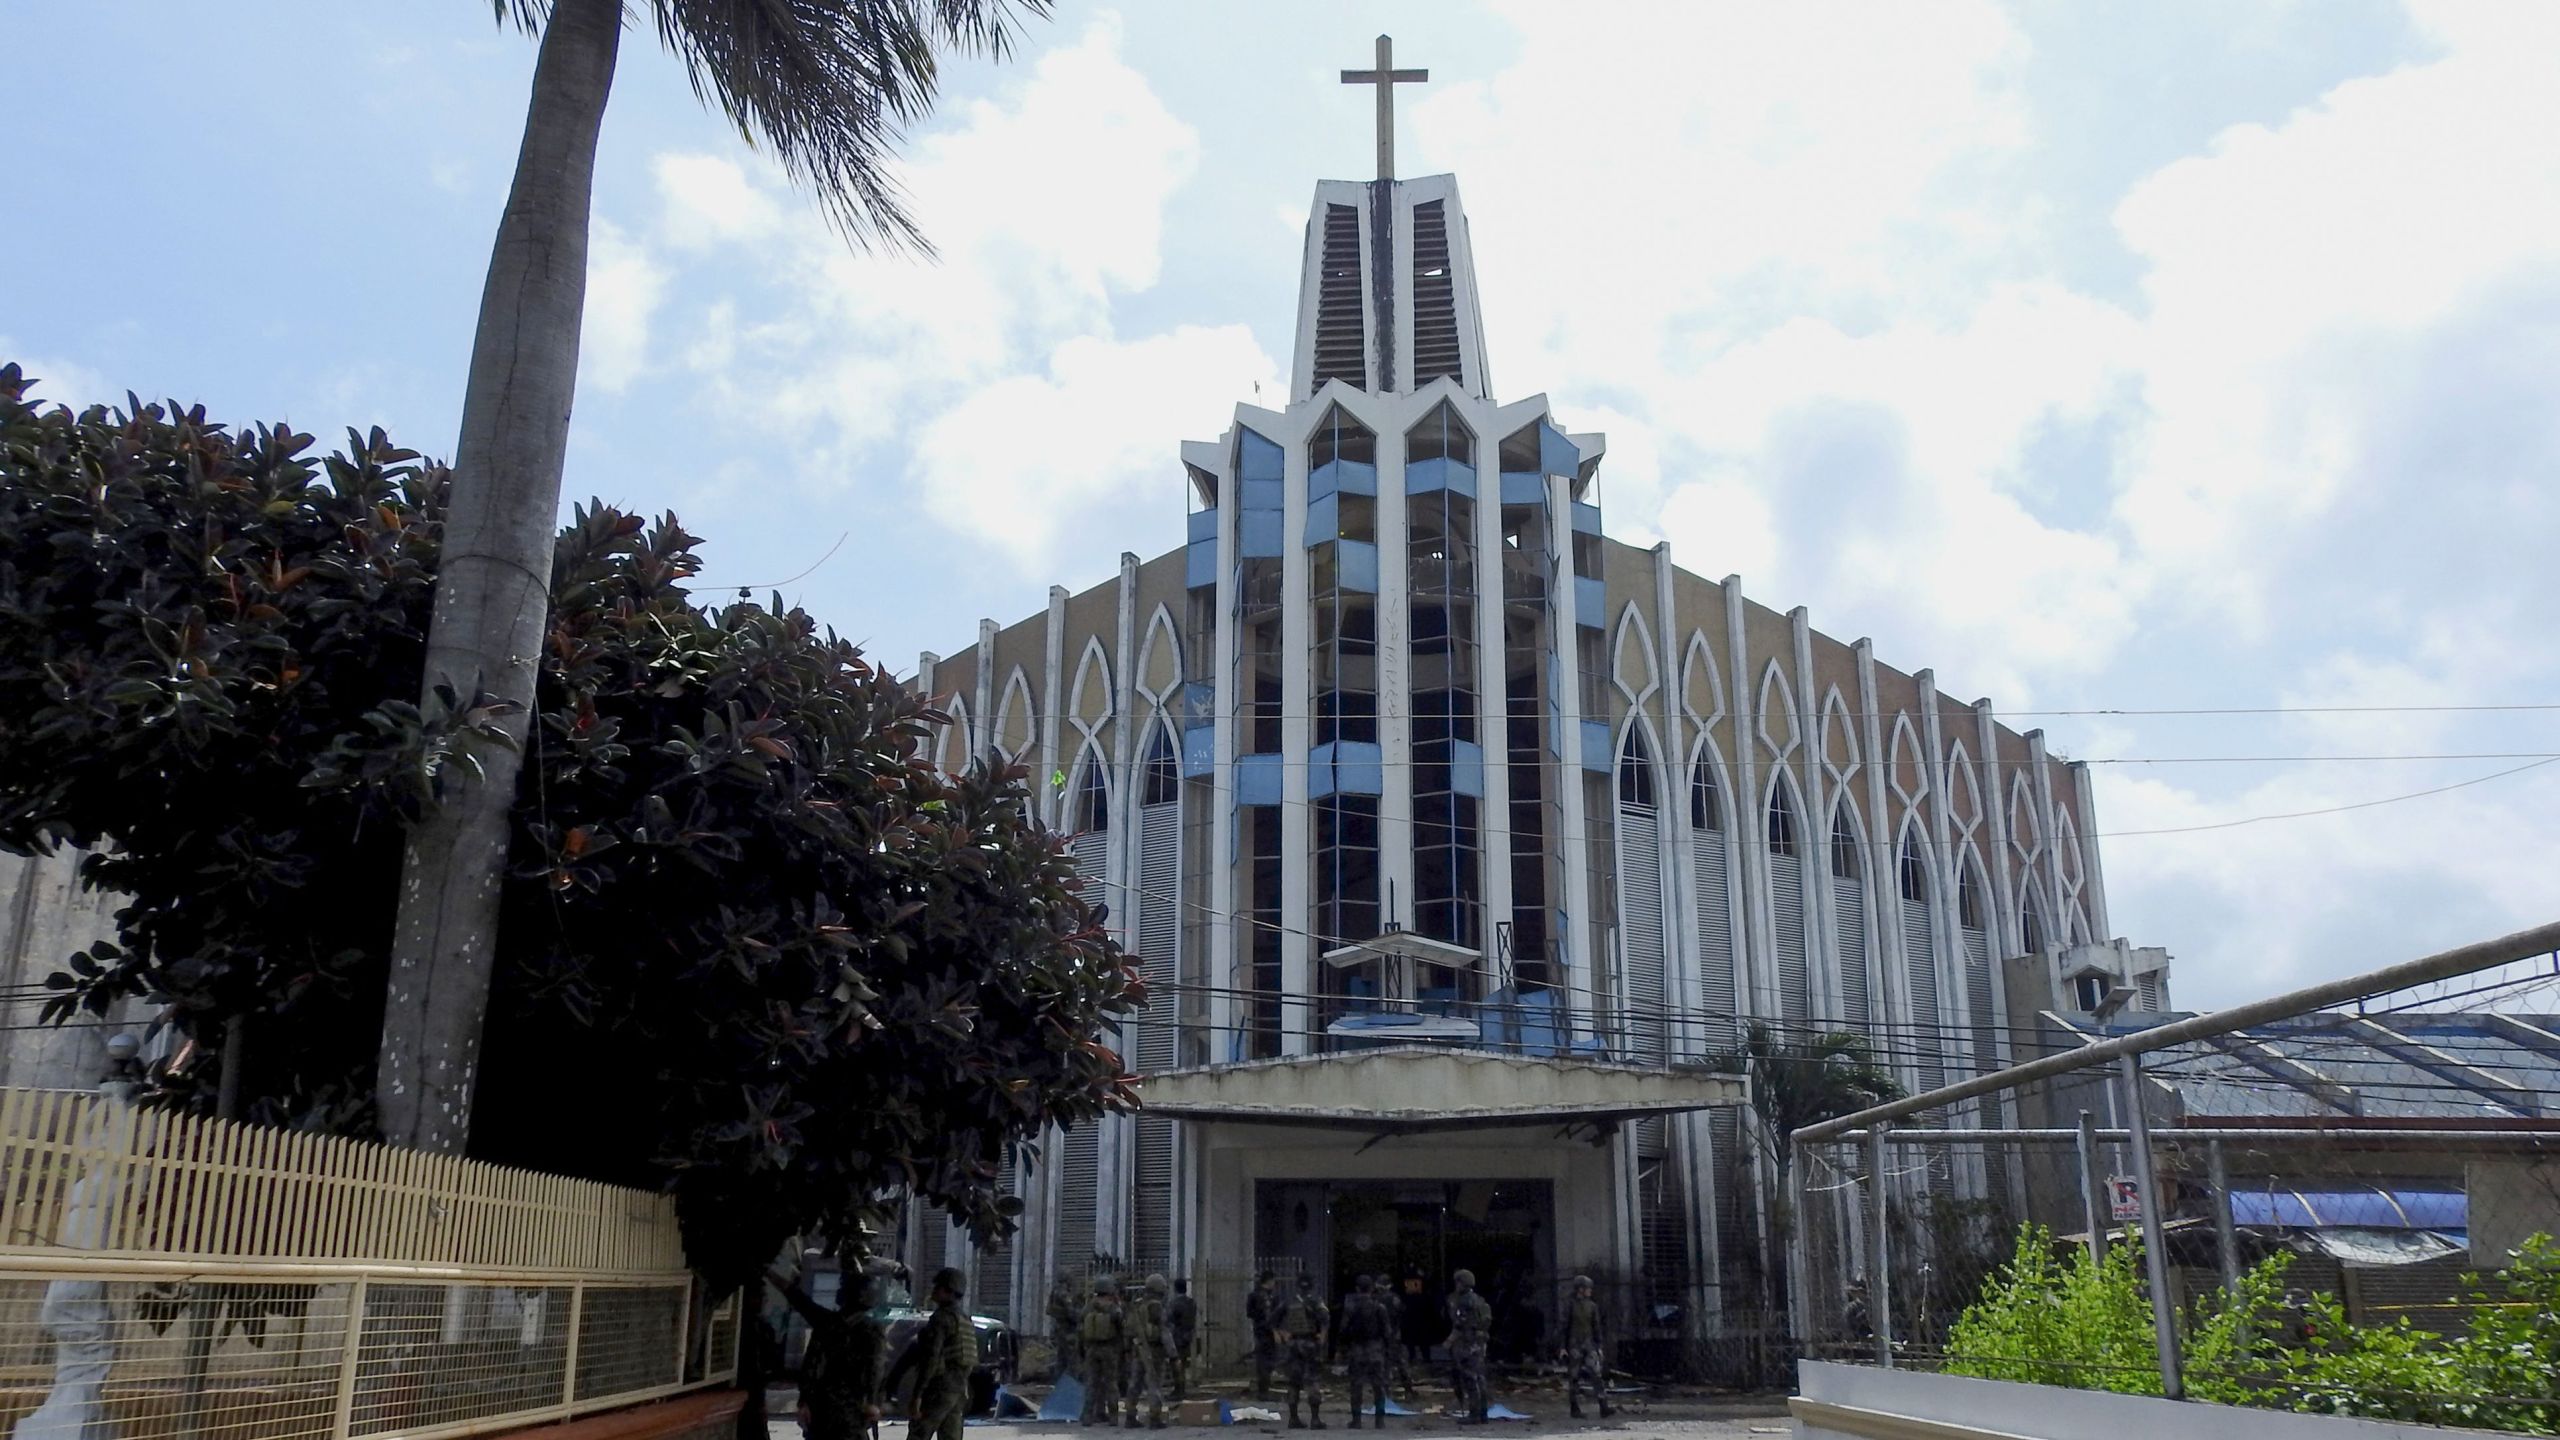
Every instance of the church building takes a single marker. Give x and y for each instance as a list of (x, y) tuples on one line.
[(1455, 840)]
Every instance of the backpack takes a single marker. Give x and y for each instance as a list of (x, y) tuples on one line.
[(1101, 1326), (1363, 1319)]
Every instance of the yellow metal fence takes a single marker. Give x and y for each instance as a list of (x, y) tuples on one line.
[(170, 1276)]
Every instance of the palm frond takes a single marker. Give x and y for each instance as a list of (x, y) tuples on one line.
[(829, 86)]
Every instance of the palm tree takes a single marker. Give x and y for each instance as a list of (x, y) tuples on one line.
[(827, 86), (1795, 1083)]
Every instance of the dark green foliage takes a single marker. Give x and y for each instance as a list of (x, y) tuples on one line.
[(1795, 1083), (754, 945)]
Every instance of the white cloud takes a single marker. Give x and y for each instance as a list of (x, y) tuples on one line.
[(707, 200), (1081, 448), (59, 381), (993, 370), (624, 288)]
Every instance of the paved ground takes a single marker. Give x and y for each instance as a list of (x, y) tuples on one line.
[(1669, 1419)]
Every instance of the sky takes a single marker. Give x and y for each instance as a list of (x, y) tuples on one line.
[(2106, 357)]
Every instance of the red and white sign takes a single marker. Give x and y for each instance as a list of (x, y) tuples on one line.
[(2124, 1198)]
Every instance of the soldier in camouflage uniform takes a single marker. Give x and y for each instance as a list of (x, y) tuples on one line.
[(1181, 1335), (1259, 1308), (1066, 1313), (946, 1356), (1300, 1328), (1365, 1331), (1102, 1349), (1154, 1364), (840, 1374), (1586, 1349), (1470, 1321)]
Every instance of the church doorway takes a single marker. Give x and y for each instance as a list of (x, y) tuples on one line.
[(1414, 1233)]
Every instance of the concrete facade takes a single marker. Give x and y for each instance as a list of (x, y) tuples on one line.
[(45, 918), (1399, 680)]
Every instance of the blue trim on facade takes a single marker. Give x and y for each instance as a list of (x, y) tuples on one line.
[(1259, 459), (1359, 561), (1200, 563), (1595, 747), (1556, 454), (1201, 524), (1346, 767), (1422, 477), (1590, 602), (1258, 780), (1199, 752), (1258, 535), (1324, 520), (1466, 768), (1348, 477), (1263, 496), (1586, 518), (1519, 487)]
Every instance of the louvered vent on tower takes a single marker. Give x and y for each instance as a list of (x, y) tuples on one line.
[(1341, 353), (1435, 299)]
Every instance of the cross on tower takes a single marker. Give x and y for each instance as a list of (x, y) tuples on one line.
[(1386, 77)]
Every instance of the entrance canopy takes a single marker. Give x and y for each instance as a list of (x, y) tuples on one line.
[(1418, 1088)]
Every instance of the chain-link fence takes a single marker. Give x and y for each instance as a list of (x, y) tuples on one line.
[(2346, 1200)]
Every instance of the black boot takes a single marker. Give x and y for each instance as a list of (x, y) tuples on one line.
[(1315, 1415), (1293, 1416), (1576, 1404), (1607, 1409), (1355, 1419)]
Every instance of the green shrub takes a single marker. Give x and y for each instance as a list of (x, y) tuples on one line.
[(2050, 1318)]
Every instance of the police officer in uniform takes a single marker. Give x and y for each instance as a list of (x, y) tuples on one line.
[(1364, 1332), (1470, 1323), (1181, 1335), (1102, 1349), (1300, 1327), (840, 1374), (1146, 1340), (946, 1355), (1586, 1349)]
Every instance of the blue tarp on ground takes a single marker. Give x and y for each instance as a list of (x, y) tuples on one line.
[(1065, 1402), (1502, 1412), (2371, 1207)]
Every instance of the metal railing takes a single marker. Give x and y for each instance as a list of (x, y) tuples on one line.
[(165, 1275), (2290, 1173)]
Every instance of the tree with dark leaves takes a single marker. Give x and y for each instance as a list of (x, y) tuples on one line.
[(758, 948), (826, 87)]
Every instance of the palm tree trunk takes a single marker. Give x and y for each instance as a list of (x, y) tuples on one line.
[(493, 584)]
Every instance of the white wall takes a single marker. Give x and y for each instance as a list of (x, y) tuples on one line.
[(1860, 1402)]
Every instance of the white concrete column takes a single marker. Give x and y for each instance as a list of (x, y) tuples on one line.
[(1821, 945), (1582, 961), (1044, 779), (1493, 683), (1226, 972), (2051, 860), (1883, 874), (1747, 833), (1395, 673), (982, 717), (1297, 732), (2093, 885)]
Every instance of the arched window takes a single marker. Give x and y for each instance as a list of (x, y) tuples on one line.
[(1635, 770), (1969, 906), (1092, 808), (1844, 842), (2031, 924), (1706, 812), (1162, 772), (1911, 870), (1782, 820)]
